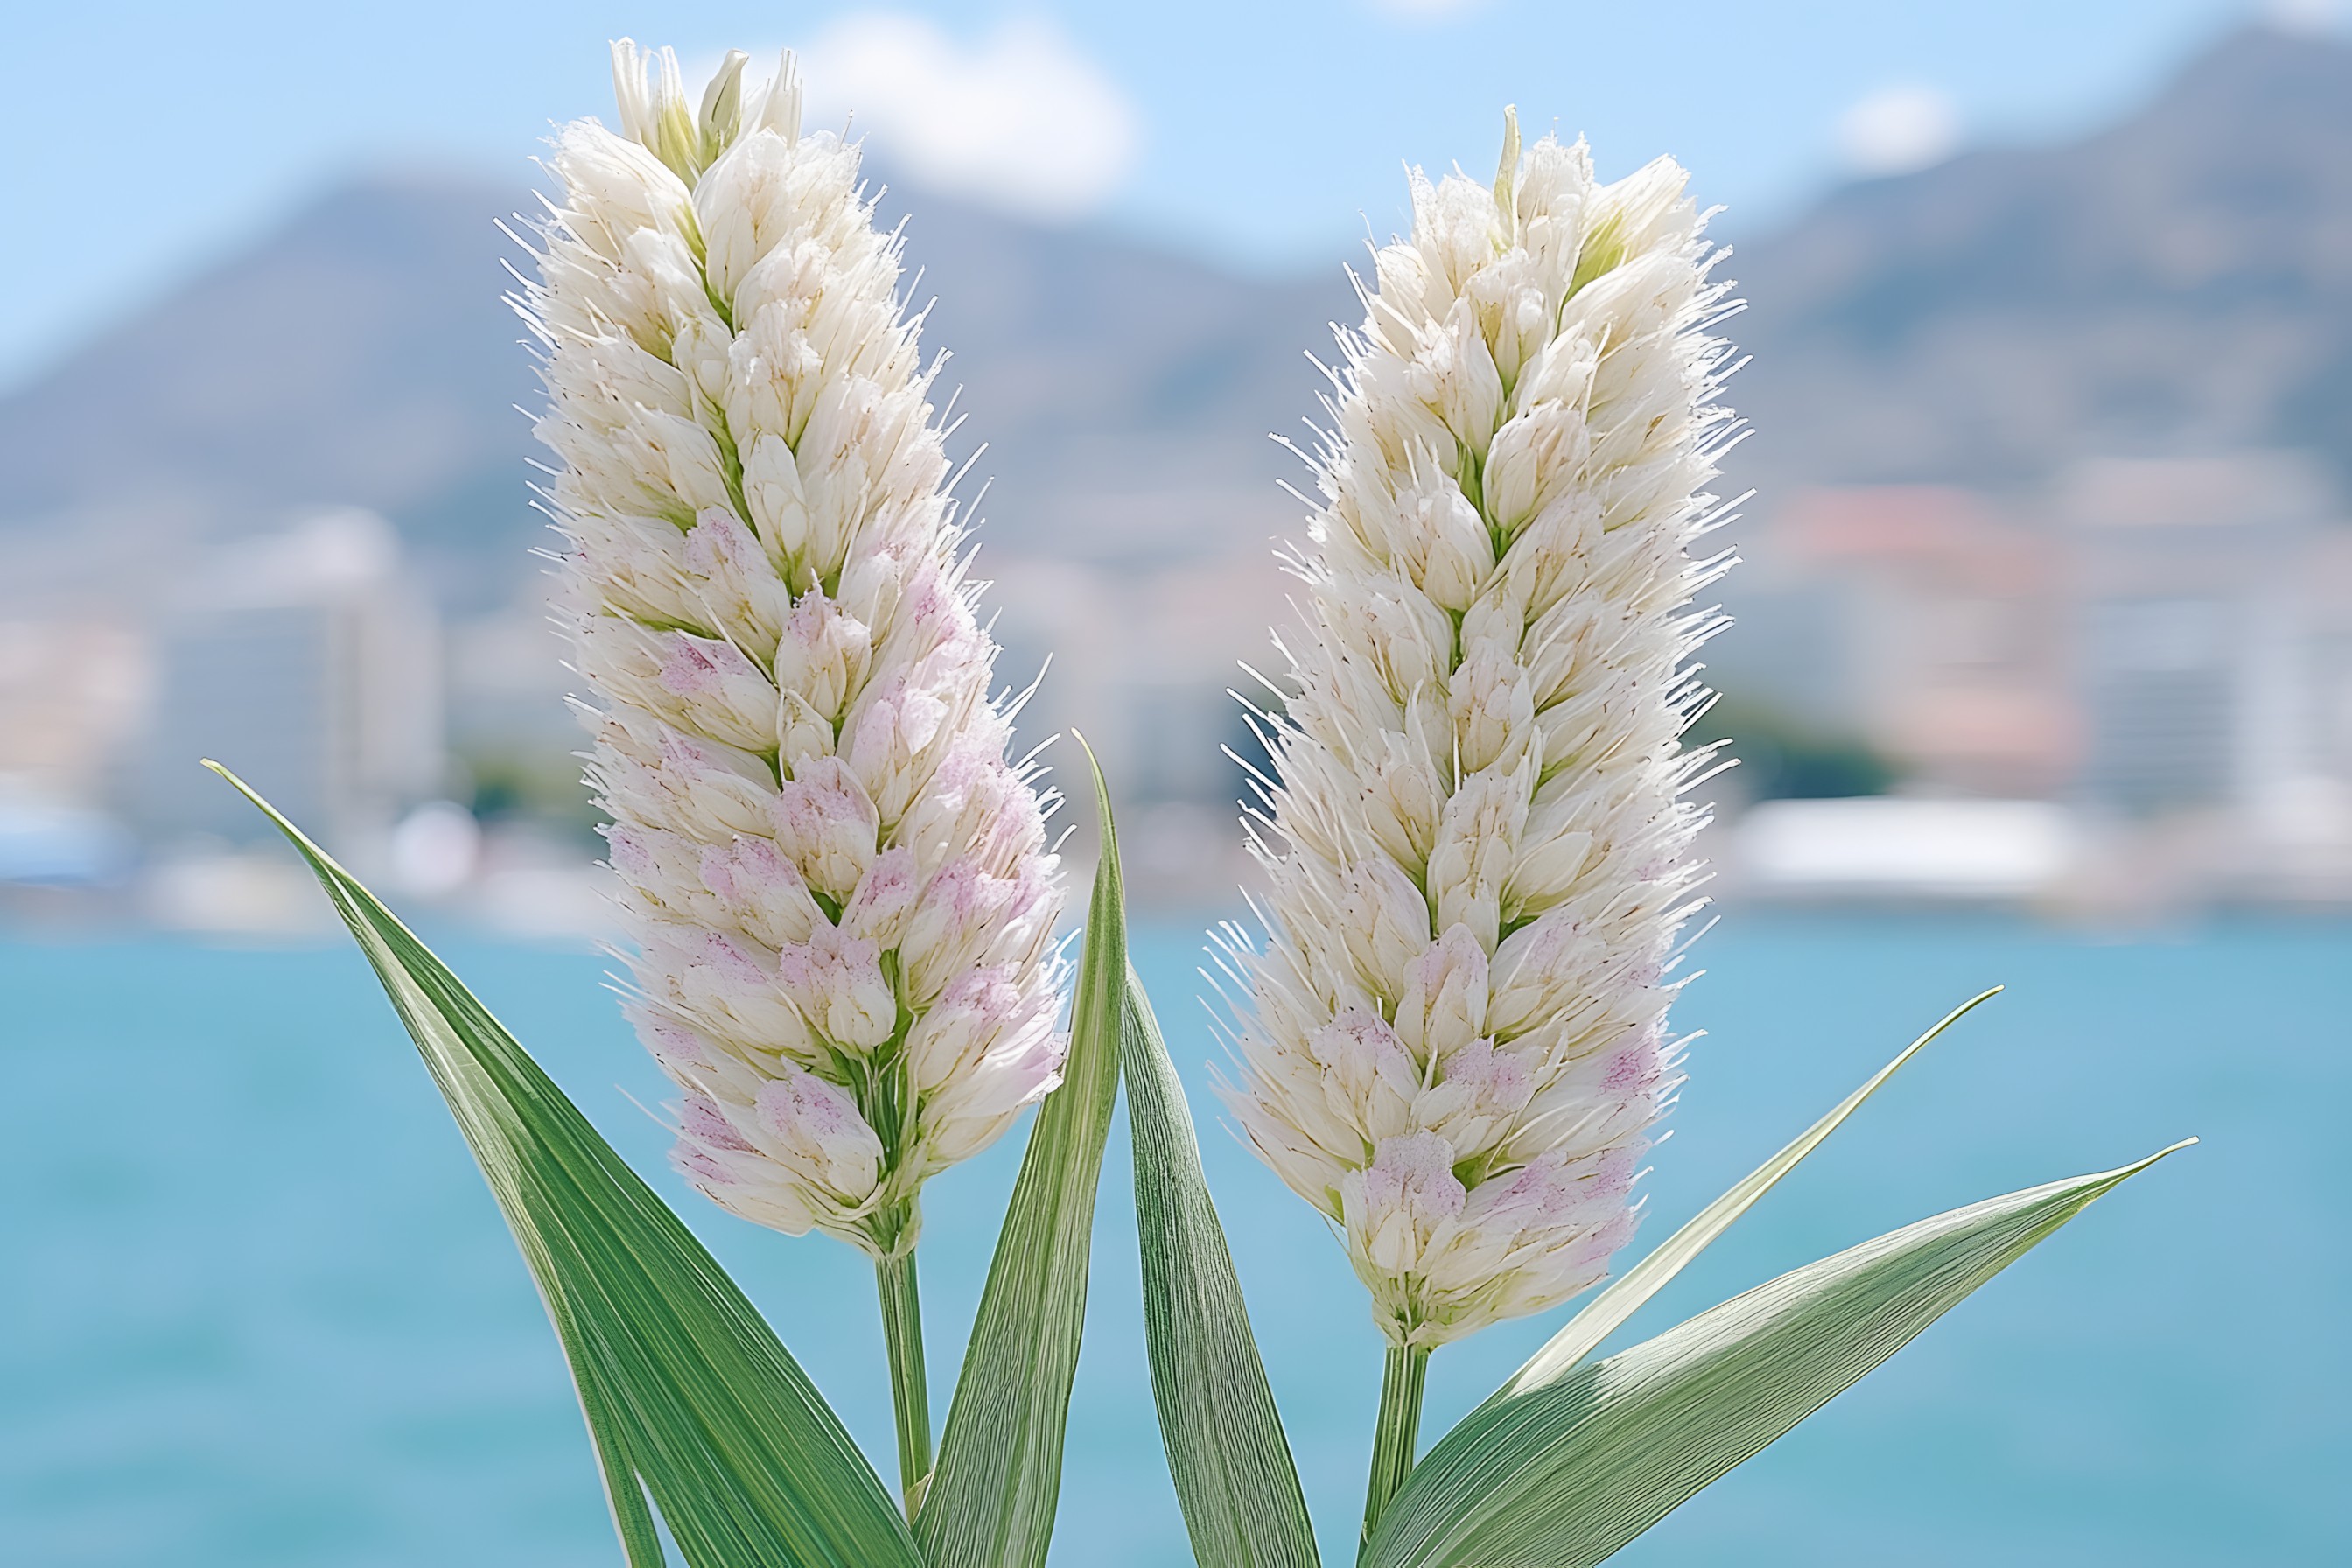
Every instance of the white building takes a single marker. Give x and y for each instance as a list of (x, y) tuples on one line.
[(2204, 590), (308, 662), (1920, 620)]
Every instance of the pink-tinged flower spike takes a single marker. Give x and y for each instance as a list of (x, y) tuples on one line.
[(1477, 839), (838, 888)]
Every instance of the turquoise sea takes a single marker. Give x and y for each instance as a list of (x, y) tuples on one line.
[(257, 1307)]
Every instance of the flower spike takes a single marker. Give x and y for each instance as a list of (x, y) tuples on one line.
[(838, 886), (1476, 837)]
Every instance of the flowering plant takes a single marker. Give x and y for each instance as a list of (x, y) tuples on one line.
[(1452, 1033)]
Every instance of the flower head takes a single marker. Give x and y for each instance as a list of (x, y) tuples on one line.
[(1478, 841), (839, 887)]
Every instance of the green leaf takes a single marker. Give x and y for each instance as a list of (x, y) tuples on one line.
[(991, 1500), (688, 1393), (1562, 1474), (1232, 1465), (1624, 1297)]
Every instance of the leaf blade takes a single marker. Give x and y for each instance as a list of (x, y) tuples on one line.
[(1564, 1474), (991, 1497), (1625, 1295), (1236, 1479), (686, 1391)]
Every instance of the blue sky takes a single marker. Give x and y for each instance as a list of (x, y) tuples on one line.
[(1262, 133)]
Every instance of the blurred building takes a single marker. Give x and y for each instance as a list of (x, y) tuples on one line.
[(1145, 656), (2330, 631), (72, 689), (1886, 846), (309, 662), (2213, 607), (2206, 602), (1919, 621), (2163, 646)]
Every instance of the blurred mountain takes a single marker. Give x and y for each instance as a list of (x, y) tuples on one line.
[(362, 354), (358, 355), (2181, 281), (1126, 394)]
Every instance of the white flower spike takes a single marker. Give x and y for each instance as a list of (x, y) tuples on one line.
[(839, 889), (1477, 838)]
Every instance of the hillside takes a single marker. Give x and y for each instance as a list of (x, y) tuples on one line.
[(362, 354), (2181, 281)]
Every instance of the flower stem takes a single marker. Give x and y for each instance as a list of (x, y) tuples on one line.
[(902, 1333), (1401, 1379)]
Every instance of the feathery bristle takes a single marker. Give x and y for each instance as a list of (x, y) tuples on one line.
[(1479, 852), (839, 889)]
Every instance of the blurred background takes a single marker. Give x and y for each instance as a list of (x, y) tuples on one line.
[(2042, 671)]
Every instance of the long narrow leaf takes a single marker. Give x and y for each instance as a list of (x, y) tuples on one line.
[(1232, 1465), (687, 1393), (625, 1495), (991, 1498), (1624, 1297), (1562, 1475)]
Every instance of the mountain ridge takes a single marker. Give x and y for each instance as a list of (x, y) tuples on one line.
[(2181, 280)]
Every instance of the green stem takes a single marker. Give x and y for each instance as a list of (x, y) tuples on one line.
[(1393, 1440), (902, 1333)]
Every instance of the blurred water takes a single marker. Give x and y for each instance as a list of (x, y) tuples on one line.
[(256, 1307)]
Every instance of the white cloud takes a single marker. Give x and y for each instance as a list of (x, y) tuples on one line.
[(1898, 128), (1021, 119)]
